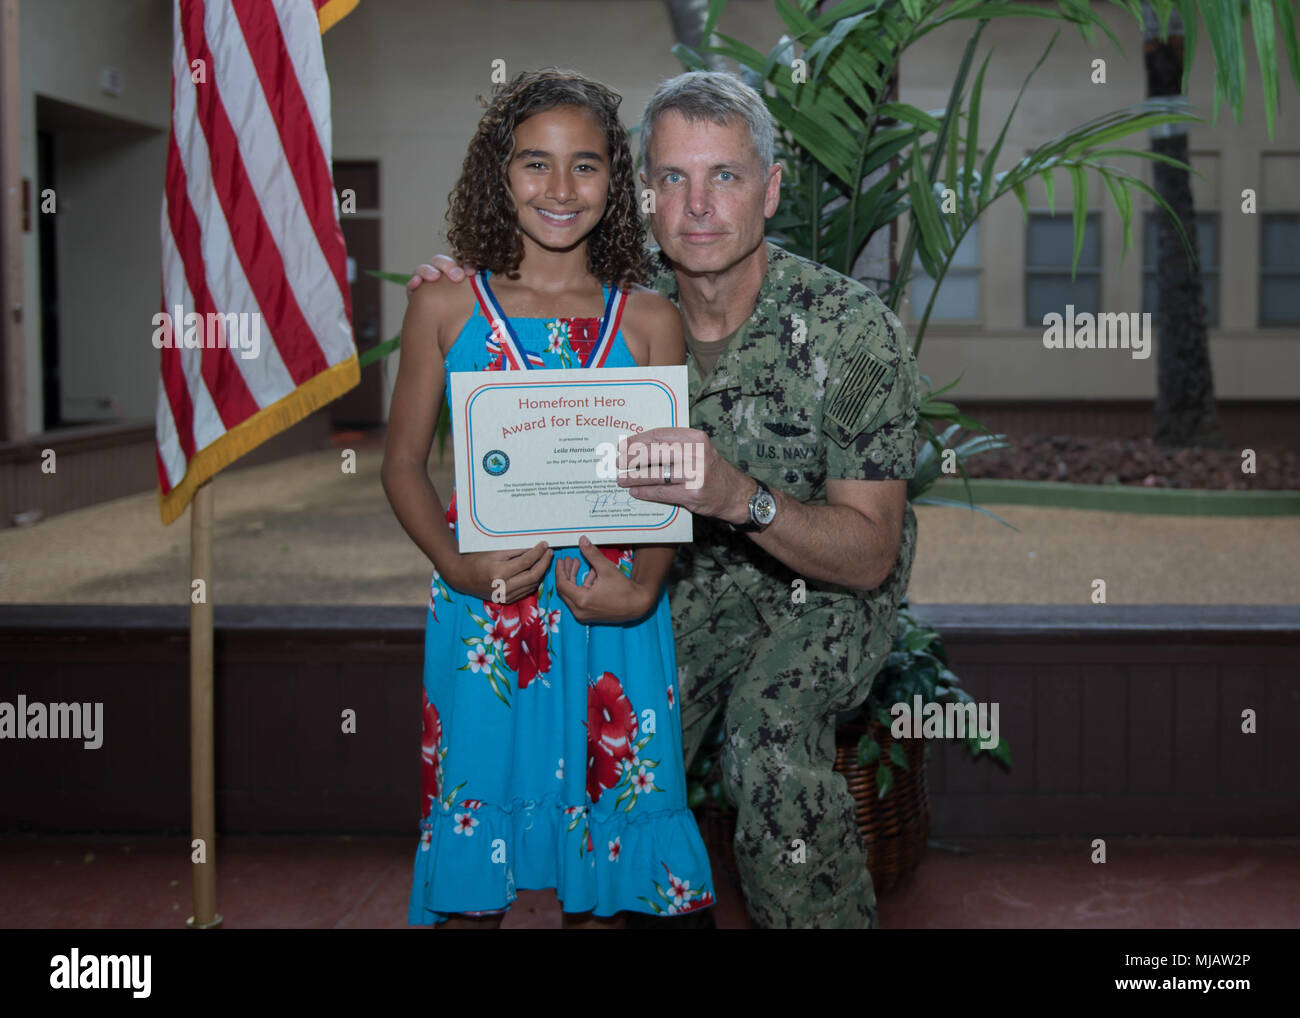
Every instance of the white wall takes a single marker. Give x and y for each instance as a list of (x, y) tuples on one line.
[(108, 233)]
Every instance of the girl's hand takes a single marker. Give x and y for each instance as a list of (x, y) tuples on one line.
[(476, 573), (606, 595)]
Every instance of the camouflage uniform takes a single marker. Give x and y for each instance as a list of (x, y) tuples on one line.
[(820, 384)]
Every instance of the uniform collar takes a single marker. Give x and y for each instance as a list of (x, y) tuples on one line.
[(749, 361)]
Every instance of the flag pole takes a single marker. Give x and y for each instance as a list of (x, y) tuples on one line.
[(203, 824)]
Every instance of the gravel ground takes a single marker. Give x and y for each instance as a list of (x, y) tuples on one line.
[(1091, 459), (300, 531)]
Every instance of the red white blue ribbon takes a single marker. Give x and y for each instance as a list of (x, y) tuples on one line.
[(504, 341), (609, 323)]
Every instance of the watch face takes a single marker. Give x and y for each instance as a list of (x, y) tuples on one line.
[(764, 508)]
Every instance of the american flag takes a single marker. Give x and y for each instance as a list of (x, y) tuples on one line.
[(250, 229)]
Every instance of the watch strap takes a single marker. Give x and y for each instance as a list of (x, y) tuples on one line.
[(749, 526)]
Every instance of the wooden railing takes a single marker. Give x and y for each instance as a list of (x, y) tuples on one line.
[(1121, 719)]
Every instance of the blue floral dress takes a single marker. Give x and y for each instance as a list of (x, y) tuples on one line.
[(552, 750)]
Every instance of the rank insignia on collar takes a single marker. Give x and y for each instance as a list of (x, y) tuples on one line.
[(856, 400)]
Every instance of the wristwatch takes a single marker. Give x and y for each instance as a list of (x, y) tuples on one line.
[(762, 511)]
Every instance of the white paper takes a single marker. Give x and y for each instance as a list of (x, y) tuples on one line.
[(533, 455)]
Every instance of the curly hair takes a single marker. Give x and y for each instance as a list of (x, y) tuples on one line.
[(484, 227)]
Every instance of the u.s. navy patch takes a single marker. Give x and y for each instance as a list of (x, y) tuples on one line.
[(857, 398)]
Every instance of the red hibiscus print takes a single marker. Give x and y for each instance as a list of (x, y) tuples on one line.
[(583, 335), (617, 555), (430, 758), (528, 651), (451, 511), (703, 901), (499, 633), (611, 727), (509, 617)]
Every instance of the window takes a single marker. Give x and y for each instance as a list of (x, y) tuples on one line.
[(1049, 248), (1279, 269), (958, 299), (1207, 251)]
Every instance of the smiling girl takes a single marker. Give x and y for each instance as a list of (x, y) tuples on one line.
[(552, 753)]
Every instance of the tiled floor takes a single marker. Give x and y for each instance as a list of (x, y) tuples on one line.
[(339, 882)]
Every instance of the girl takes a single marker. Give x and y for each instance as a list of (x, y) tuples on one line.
[(552, 749)]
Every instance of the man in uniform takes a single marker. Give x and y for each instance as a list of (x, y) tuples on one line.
[(804, 410)]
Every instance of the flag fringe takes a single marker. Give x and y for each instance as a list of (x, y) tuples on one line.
[(333, 12), (249, 434)]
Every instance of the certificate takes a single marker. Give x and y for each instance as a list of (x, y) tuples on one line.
[(536, 454)]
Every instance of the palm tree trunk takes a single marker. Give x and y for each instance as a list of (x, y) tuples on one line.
[(687, 18), (1185, 410)]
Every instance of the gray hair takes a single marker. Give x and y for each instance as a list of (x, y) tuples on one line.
[(712, 95)]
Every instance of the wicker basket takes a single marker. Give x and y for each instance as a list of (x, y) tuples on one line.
[(894, 829)]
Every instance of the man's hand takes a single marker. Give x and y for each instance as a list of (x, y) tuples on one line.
[(606, 595), (700, 480), (476, 573), (442, 265)]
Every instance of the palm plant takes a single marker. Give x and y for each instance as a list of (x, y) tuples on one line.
[(857, 160)]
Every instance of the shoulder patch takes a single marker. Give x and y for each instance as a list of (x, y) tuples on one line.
[(857, 398)]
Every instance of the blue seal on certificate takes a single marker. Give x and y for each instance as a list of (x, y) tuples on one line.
[(496, 462)]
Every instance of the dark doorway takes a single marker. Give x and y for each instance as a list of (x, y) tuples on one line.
[(362, 407)]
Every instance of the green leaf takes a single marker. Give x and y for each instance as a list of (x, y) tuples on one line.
[(919, 639), (941, 500), (868, 751), (909, 114), (925, 215), (1261, 22), (1223, 26), (1019, 188), (1187, 9), (986, 173), (987, 10), (884, 781), (689, 58), (897, 756), (819, 51), (1080, 212), (711, 19), (1155, 196), (391, 277), (913, 9), (1049, 185), (845, 10), (381, 350), (973, 134), (1124, 206), (1134, 153), (951, 385), (1289, 38)]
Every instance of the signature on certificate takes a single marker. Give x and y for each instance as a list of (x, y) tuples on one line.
[(608, 499)]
